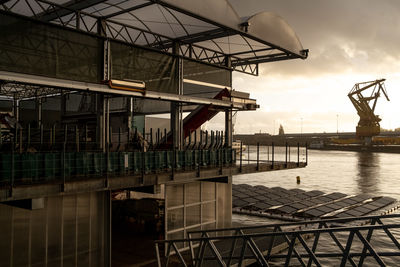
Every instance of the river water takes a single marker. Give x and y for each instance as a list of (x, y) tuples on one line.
[(336, 171)]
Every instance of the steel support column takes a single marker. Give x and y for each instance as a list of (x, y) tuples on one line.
[(103, 101), (107, 122), (16, 116), (131, 113), (100, 125), (107, 227), (104, 124), (228, 128), (228, 112), (176, 107), (106, 60), (63, 103), (16, 109), (39, 112), (176, 125)]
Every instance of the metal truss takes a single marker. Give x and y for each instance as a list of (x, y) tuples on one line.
[(71, 15), (21, 91), (356, 241)]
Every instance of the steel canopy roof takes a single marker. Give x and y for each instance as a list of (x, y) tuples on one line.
[(209, 30)]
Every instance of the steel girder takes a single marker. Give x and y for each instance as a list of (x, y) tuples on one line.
[(19, 91), (38, 85)]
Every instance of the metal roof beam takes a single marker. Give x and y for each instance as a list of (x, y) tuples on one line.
[(198, 37), (251, 69), (287, 57), (68, 8), (128, 10), (189, 48), (252, 51), (264, 59), (205, 36), (199, 17), (70, 85)]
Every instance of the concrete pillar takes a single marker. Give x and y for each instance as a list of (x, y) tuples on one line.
[(228, 128)]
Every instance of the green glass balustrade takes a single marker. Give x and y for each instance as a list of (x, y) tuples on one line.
[(33, 167)]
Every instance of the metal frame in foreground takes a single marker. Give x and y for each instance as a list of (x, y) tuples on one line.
[(283, 243)]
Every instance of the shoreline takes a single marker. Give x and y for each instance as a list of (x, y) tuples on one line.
[(360, 148)]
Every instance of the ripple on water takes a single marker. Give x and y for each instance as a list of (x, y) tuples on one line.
[(337, 171)]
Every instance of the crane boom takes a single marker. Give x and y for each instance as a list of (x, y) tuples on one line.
[(368, 124)]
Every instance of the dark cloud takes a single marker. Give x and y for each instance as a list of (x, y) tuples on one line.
[(349, 42), (342, 35)]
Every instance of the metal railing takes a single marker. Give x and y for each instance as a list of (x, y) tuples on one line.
[(39, 155), (38, 167), (272, 155), (76, 138), (334, 242)]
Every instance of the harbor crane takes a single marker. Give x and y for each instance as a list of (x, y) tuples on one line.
[(368, 125)]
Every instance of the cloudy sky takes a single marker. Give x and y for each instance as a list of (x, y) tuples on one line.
[(349, 42)]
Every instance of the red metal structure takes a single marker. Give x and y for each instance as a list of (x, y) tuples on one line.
[(199, 116), (202, 114)]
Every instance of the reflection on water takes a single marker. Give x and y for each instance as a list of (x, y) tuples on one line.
[(368, 172), (337, 171)]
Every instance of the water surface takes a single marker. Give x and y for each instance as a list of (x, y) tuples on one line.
[(337, 171)]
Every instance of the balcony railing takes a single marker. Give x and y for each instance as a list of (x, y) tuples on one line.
[(29, 156), (355, 241), (271, 155), (26, 168)]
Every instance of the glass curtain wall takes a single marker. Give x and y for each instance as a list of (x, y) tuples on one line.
[(68, 231), (190, 207)]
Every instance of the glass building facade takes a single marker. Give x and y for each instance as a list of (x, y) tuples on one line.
[(69, 230)]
